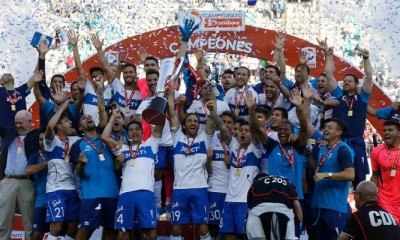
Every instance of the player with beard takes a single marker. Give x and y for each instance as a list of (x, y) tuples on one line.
[(190, 196), (270, 97), (353, 111), (384, 160), (199, 107), (227, 80), (95, 166), (149, 63), (136, 198), (165, 150), (126, 95), (245, 158), (235, 96), (62, 195)]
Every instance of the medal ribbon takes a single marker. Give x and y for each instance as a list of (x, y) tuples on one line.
[(393, 164), (329, 152), (290, 157), (99, 151)]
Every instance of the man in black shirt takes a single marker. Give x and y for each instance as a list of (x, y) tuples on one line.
[(273, 204), (371, 221)]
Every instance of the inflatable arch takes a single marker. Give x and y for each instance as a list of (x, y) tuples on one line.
[(253, 42)]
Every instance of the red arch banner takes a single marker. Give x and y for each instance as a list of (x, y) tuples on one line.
[(253, 42)]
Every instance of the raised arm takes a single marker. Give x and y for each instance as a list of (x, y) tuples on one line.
[(303, 66), (51, 125), (226, 136), (200, 64), (99, 82), (212, 107), (38, 94), (279, 57), (257, 131), (173, 120), (98, 44), (186, 31), (35, 78), (297, 100), (282, 88), (367, 85), (73, 39), (106, 135), (330, 69)]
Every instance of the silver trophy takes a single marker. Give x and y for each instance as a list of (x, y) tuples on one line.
[(156, 109)]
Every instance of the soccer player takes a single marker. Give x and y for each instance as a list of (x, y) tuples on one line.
[(62, 196), (332, 178), (385, 164), (136, 198), (190, 196), (37, 166)]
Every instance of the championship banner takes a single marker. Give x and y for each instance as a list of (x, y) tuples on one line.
[(253, 42), (215, 20)]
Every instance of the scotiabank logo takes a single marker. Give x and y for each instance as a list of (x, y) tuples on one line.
[(219, 44), (222, 23)]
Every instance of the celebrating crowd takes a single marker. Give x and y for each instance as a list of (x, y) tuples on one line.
[(283, 152)]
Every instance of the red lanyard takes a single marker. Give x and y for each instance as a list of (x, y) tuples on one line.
[(350, 102), (66, 144), (12, 99), (266, 99), (290, 157), (327, 155), (223, 145), (393, 164), (42, 155), (99, 151), (134, 154), (240, 158), (204, 109), (190, 144), (20, 142), (128, 100), (237, 103)]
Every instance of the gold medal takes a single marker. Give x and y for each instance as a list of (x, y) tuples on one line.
[(311, 141), (237, 171), (66, 158), (13, 108), (393, 172), (101, 156), (237, 111), (317, 170), (350, 113), (127, 109), (133, 163), (19, 149)]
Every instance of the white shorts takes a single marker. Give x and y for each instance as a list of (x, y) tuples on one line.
[(254, 228)]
